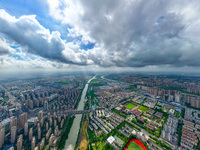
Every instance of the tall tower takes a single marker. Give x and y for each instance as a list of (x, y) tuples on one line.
[(30, 134), (22, 120), (33, 144), (39, 133), (45, 105), (40, 115), (26, 128), (13, 122), (19, 142), (13, 134)]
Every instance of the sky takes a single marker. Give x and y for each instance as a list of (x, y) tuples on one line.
[(160, 35)]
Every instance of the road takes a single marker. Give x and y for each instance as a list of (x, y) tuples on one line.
[(12, 99)]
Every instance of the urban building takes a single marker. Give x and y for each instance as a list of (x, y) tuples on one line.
[(13, 134)]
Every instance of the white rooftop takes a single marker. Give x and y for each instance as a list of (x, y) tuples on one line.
[(133, 132), (111, 139), (118, 108)]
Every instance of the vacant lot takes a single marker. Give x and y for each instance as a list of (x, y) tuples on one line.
[(84, 141)]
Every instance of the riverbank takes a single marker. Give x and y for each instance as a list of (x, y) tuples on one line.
[(72, 138), (65, 132), (84, 140)]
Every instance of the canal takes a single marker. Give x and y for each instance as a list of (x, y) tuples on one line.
[(72, 137)]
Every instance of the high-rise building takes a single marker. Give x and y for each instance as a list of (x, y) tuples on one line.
[(42, 143), (13, 134), (35, 122), (36, 148), (19, 142), (56, 131), (50, 122), (26, 128), (30, 134), (61, 124), (30, 104), (42, 122), (65, 116), (2, 135), (178, 97), (36, 103), (38, 125), (54, 115), (22, 120), (33, 143), (52, 138), (47, 126), (55, 123), (48, 115), (10, 113), (39, 133), (59, 119), (45, 105), (40, 115), (13, 122)]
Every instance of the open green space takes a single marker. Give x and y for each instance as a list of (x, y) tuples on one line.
[(93, 95), (178, 115), (97, 84), (94, 81), (130, 106), (119, 140), (134, 146), (143, 108)]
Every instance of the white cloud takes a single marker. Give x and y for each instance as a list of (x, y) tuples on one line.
[(33, 38), (126, 33), (5, 48)]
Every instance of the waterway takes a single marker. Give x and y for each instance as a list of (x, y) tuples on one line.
[(72, 137)]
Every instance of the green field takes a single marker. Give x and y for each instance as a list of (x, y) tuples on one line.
[(143, 108), (134, 146), (178, 115), (119, 140), (93, 95), (94, 81), (130, 106)]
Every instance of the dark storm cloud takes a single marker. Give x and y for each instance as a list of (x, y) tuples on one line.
[(133, 36)]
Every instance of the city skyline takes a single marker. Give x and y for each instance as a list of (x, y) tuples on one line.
[(94, 35)]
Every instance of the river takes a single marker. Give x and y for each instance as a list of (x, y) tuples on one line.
[(72, 137)]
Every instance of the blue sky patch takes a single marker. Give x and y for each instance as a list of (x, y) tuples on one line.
[(88, 46)]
